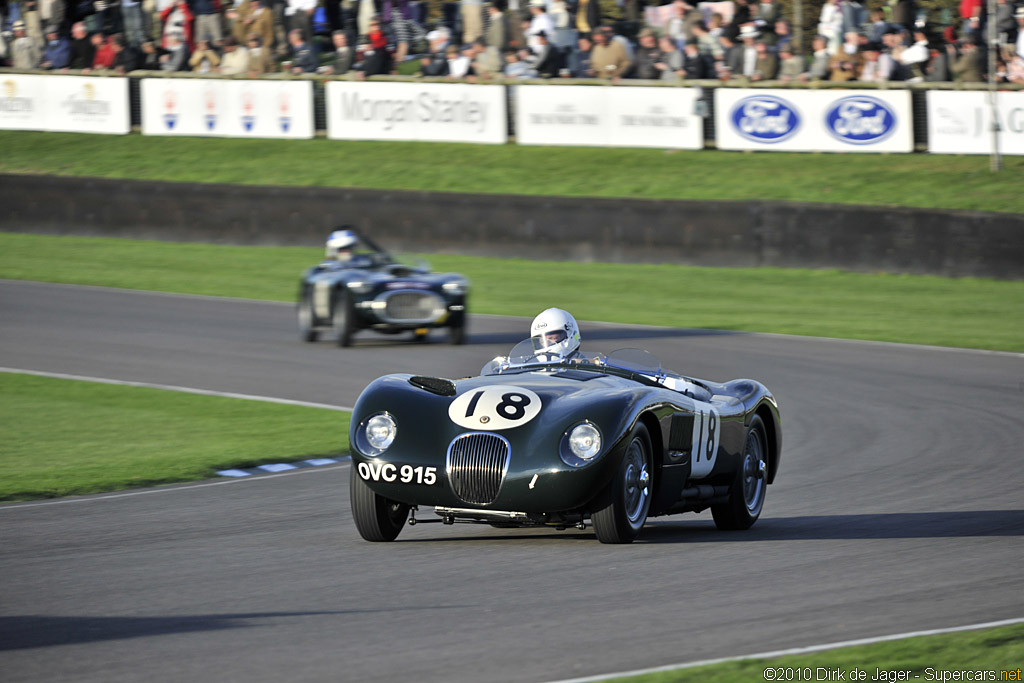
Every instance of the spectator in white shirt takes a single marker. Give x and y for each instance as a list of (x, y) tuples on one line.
[(539, 21), (235, 60)]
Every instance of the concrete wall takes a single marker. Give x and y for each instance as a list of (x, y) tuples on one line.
[(952, 243)]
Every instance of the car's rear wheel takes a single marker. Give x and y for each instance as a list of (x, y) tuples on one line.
[(629, 494), (342, 318), (376, 517), (307, 331), (746, 498)]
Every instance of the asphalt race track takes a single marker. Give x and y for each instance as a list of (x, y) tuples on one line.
[(898, 508)]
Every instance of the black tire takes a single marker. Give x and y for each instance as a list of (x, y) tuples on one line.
[(307, 331), (377, 518), (746, 498), (629, 492), (342, 319), (457, 332)]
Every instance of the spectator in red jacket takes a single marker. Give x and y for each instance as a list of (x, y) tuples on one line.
[(377, 59), (105, 52), (178, 18)]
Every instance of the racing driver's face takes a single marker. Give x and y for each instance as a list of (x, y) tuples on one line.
[(551, 338)]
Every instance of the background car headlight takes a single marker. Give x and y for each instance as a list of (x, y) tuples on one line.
[(455, 287), (360, 287), (585, 441), (380, 432)]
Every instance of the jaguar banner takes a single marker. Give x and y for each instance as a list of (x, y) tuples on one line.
[(961, 122), (67, 104)]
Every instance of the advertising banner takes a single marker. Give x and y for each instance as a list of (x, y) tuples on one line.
[(961, 122), (227, 108), (69, 104), (600, 116), (814, 121), (23, 102), (561, 115), (431, 112)]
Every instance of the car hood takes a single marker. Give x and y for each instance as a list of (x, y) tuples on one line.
[(389, 278), (546, 405)]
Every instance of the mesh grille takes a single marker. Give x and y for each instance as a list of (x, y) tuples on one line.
[(476, 466), (414, 307)]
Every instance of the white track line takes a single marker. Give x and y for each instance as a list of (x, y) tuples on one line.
[(156, 292), (171, 387), (173, 488), (795, 651)]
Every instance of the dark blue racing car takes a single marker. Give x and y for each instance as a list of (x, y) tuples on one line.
[(360, 286)]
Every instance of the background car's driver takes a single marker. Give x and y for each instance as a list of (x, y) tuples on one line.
[(340, 244)]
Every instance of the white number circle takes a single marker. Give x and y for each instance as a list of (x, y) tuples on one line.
[(499, 406)]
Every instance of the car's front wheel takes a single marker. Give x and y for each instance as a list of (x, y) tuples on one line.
[(746, 498), (629, 494), (342, 318), (376, 517), (457, 331), (307, 332)]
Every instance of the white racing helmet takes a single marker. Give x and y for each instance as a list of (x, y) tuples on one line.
[(338, 240), (555, 334)]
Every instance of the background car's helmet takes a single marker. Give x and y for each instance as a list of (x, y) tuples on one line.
[(556, 333), (338, 240)]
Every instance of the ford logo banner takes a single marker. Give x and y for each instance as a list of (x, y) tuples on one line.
[(765, 118), (860, 120)]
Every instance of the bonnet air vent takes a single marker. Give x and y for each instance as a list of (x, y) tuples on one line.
[(435, 385), (580, 375)]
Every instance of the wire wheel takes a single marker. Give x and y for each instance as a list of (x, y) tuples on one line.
[(636, 483), (746, 498), (629, 493), (755, 469)]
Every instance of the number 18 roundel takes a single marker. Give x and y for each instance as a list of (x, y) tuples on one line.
[(496, 407)]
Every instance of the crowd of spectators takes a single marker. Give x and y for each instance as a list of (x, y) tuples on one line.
[(473, 39)]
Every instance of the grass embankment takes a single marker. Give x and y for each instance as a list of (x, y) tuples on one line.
[(999, 650), (976, 313), (913, 180), (65, 437), (927, 658)]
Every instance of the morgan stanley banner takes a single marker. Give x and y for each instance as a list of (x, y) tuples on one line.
[(431, 112)]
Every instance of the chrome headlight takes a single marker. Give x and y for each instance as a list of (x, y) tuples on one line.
[(581, 444), (456, 287), (378, 433), (360, 287)]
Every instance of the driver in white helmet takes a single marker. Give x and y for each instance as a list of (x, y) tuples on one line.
[(340, 244), (555, 336)]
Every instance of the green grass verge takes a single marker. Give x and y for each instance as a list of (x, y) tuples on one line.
[(64, 437), (974, 313), (923, 658), (915, 180)]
